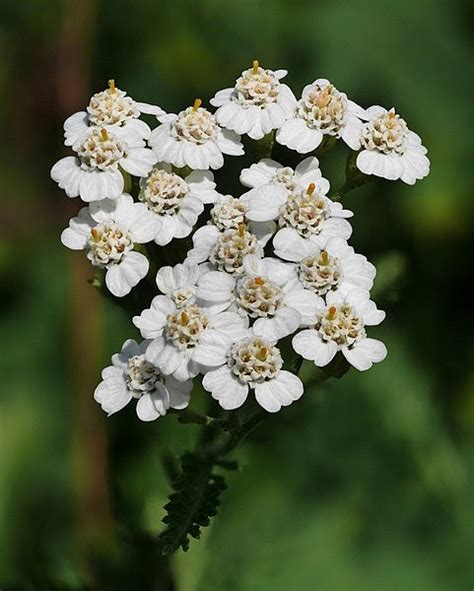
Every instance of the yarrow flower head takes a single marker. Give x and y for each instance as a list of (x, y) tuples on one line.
[(108, 231), (249, 363), (225, 250), (389, 149), (131, 376), (110, 108), (322, 110), (307, 212), (176, 202), (177, 332), (96, 172), (268, 293), (257, 104), (194, 138), (335, 267), (340, 325)]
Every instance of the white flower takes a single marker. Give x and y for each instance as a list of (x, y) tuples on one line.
[(193, 138), (337, 267), (110, 108), (268, 292), (390, 150), (228, 212), (257, 104), (107, 231), (227, 249), (177, 333), (308, 212), (322, 110), (179, 282), (95, 173), (177, 202), (340, 326), (252, 363), (270, 172), (131, 376)]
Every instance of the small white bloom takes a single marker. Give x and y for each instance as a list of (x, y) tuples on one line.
[(110, 108), (257, 104), (322, 110), (95, 173), (268, 292), (228, 212), (177, 202), (270, 172), (177, 334), (340, 326), (194, 138), (226, 249), (308, 212), (107, 231), (390, 150), (337, 267), (132, 376), (252, 363)]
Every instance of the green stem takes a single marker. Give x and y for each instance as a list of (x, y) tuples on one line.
[(354, 178)]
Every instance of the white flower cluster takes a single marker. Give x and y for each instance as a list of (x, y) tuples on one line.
[(269, 264)]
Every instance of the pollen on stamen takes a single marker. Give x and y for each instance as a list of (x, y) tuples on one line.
[(262, 354), (325, 257), (255, 66), (112, 87), (241, 230), (95, 233), (331, 313), (311, 188), (197, 104), (104, 134), (184, 319)]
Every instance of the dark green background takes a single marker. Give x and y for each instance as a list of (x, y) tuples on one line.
[(364, 484)]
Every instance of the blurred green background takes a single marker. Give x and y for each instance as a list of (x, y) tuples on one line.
[(364, 484)]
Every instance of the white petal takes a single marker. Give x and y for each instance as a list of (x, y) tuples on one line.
[(229, 142), (180, 392), (289, 245), (152, 320), (264, 202), (139, 161), (231, 324), (215, 286), (309, 345), (153, 405), (222, 97), (121, 278), (226, 388), (97, 185), (212, 349), (285, 322), (305, 302), (295, 134), (365, 353), (112, 394), (260, 173), (281, 391), (150, 109)]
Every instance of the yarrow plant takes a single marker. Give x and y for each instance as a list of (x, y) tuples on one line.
[(246, 286)]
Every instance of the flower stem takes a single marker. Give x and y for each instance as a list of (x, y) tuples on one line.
[(354, 178)]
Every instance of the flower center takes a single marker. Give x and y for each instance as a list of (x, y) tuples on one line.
[(257, 87), (254, 361), (231, 247), (286, 177), (185, 327), (141, 376), (195, 124), (341, 324), (320, 274), (163, 192), (111, 106), (183, 296), (387, 134), (258, 296), (108, 244), (228, 213), (323, 108), (101, 150), (304, 211)]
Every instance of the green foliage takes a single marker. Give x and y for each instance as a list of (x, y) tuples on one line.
[(195, 500)]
